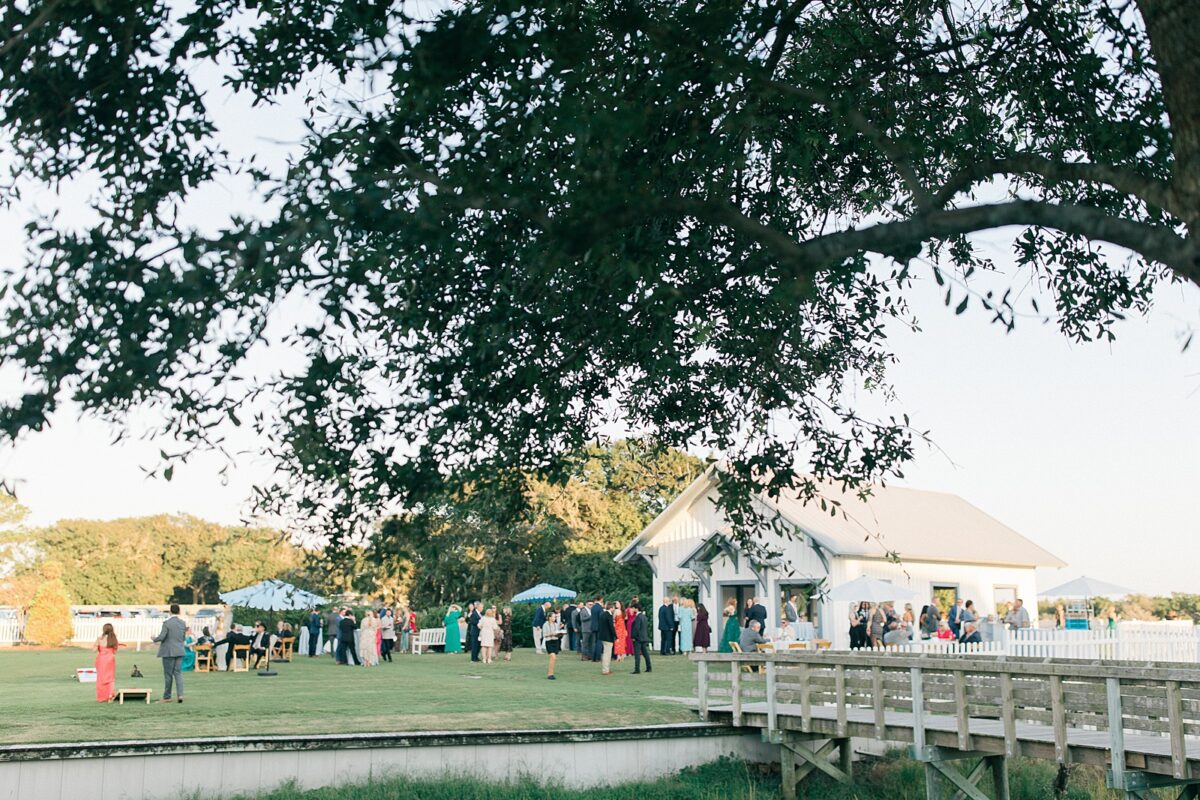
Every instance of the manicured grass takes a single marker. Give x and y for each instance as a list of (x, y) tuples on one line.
[(43, 703)]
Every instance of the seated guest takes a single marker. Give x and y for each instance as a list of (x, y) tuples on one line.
[(752, 637), (189, 651), (896, 635), (943, 631), (970, 634), (259, 643), (235, 637), (205, 637)]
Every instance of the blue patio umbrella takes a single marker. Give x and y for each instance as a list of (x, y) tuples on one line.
[(272, 595), (543, 592)]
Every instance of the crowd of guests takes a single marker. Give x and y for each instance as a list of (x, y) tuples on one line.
[(874, 625), (366, 643)]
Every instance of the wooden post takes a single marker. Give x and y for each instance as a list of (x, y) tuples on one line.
[(918, 711), (846, 756), (1058, 713), (1179, 764), (805, 700), (735, 689), (702, 688), (960, 702), (999, 766), (787, 769), (877, 702), (1008, 715), (1116, 732), (772, 711), (839, 685)]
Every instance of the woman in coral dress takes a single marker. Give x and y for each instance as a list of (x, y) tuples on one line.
[(106, 664), (621, 646)]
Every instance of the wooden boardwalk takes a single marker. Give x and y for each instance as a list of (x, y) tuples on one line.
[(956, 709)]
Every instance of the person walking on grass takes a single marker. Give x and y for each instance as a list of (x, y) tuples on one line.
[(552, 632), (585, 631), (639, 635), (170, 650)]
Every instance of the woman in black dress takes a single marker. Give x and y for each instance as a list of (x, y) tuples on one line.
[(702, 638), (506, 634)]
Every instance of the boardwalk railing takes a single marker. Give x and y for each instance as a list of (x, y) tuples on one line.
[(1130, 641), (1057, 710)]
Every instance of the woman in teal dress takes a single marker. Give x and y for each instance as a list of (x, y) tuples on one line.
[(453, 638), (732, 631), (189, 652), (687, 614)]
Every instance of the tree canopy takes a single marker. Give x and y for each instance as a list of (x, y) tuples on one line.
[(147, 559), (478, 542), (522, 221)]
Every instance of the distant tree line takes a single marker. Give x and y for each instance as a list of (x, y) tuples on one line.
[(137, 560)]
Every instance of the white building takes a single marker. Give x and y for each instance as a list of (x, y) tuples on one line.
[(944, 545)]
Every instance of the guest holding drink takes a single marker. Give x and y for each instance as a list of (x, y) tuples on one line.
[(551, 639), (106, 664)]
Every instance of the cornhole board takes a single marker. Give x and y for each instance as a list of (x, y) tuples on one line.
[(132, 694), (86, 675)]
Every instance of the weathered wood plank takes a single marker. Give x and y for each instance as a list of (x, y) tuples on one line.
[(1174, 703)]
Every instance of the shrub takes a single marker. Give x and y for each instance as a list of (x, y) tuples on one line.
[(49, 620)]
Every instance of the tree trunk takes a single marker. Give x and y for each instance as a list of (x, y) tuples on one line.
[(1174, 30)]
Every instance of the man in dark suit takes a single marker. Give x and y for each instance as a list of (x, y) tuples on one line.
[(597, 618), (571, 624), (260, 643), (758, 613), (235, 636), (539, 619), (666, 627), (639, 634), (584, 623), (473, 629), (607, 636), (314, 631), (346, 646)]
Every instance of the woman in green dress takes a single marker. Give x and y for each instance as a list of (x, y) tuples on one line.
[(732, 631), (453, 638), (189, 653)]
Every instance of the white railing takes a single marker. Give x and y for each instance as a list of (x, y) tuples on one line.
[(135, 631), (10, 632), (1130, 641)]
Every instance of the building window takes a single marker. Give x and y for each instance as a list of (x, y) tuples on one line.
[(946, 595), (1003, 598)]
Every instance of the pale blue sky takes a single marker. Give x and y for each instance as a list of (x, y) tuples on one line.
[(1091, 450)]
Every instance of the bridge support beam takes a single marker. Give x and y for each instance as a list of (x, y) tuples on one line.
[(1139, 785), (802, 755), (945, 781)]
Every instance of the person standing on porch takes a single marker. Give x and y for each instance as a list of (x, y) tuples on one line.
[(731, 627), (930, 616), (758, 613), (956, 617), (170, 650), (791, 618), (687, 616), (1017, 617), (666, 627), (702, 640)]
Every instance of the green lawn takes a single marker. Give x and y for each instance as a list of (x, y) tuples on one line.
[(43, 703)]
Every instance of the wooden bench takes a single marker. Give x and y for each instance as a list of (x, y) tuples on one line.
[(427, 638), (132, 694), (241, 654), (204, 657)]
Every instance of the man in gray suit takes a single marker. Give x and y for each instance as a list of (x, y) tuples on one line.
[(170, 650)]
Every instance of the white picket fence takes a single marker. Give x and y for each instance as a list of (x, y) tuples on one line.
[(1131, 641), (134, 631), (10, 632)]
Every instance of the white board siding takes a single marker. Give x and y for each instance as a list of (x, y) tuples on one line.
[(680, 535)]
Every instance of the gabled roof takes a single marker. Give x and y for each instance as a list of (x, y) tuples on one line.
[(915, 524)]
